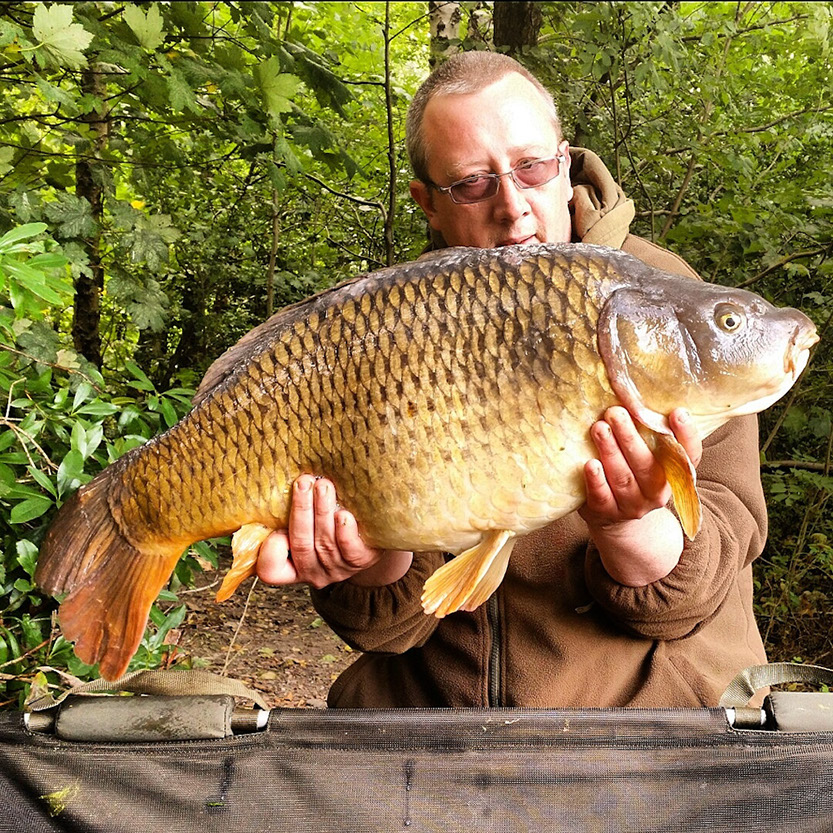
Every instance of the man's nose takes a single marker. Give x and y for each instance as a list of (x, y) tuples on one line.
[(510, 201)]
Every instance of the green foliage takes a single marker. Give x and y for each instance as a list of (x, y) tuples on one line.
[(60, 427)]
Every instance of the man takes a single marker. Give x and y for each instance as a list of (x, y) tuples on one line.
[(609, 606)]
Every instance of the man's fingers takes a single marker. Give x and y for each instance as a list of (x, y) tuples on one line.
[(600, 499), (322, 544), (310, 557), (355, 553), (324, 502), (273, 563), (637, 461), (686, 433), (302, 518), (634, 478)]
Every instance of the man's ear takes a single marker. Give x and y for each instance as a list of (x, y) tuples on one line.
[(422, 196), (564, 148)]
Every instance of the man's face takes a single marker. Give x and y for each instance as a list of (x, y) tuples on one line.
[(492, 131)]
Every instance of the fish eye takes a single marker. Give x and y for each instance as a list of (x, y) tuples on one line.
[(729, 318)]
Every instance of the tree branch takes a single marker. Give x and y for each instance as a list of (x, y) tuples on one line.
[(793, 464), (783, 262), (359, 200)]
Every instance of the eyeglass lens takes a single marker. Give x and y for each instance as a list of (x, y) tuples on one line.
[(529, 174)]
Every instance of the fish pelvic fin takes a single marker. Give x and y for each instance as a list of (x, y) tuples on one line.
[(245, 546), (471, 577), (110, 582), (681, 476)]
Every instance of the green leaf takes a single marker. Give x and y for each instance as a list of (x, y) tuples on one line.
[(181, 93), (147, 27), (73, 216), (31, 279), (43, 480), (20, 233), (144, 383), (82, 393), (6, 156), (98, 408), (168, 412), (150, 240), (29, 509), (70, 472), (27, 555), (277, 87), (86, 440), (54, 93), (32, 633), (41, 342), (62, 42)]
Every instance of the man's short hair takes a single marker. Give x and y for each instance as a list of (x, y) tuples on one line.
[(465, 72)]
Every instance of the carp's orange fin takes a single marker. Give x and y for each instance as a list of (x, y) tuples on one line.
[(679, 471), (110, 583), (245, 545), (470, 578)]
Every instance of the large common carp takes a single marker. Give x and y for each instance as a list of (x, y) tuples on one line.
[(449, 401)]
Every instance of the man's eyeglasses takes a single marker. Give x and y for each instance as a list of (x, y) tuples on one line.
[(530, 174)]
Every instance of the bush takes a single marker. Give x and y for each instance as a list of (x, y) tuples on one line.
[(61, 424)]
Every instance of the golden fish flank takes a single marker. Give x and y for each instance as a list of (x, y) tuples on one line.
[(449, 400)]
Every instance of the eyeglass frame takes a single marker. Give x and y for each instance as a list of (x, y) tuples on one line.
[(447, 189)]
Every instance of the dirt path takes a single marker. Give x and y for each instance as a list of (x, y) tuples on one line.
[(271, 638)]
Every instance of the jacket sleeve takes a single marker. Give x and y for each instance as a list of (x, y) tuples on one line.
[(731, 537), (387, 619)]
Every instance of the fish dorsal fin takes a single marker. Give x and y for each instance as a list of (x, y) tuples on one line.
[(261, 337), (681, 476), (239, 353)]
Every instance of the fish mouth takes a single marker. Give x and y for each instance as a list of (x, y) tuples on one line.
[(798, 350)]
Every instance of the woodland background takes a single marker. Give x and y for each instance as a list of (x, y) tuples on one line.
[(170, 173)]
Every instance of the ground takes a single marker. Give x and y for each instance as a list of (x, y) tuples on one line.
[(271, 638)]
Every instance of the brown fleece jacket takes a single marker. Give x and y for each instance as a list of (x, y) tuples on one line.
[(560, 631)]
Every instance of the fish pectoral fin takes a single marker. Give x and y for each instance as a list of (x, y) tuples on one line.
[(469, 579), (245, 545), (679, 471)]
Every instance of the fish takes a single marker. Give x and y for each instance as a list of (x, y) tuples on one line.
[(448, 399)]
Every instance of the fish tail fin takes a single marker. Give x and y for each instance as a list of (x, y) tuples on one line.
[(681, 476), (110, 582), (245, 546), (469, 579)]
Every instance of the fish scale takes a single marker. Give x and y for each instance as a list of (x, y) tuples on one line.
[(449, 400)]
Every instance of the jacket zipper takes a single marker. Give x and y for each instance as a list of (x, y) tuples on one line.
[(493, 671)]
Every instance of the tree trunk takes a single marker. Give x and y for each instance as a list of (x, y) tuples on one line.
[(478, 33), (86, 332), (273, 254), (444, 18), (190, 351), (517, 24)]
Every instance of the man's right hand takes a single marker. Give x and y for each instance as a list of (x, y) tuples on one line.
[(322, 544)]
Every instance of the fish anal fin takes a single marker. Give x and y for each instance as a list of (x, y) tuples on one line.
[(245, 545), (681, 476), (469, 579)]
